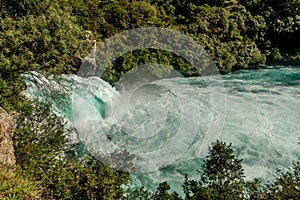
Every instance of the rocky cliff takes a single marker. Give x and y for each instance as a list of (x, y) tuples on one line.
[(6, 133)]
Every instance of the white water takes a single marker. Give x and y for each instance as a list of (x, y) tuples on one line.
[(169, 124)]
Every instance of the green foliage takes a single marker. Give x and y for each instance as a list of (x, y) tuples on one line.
[(161, 193), (286, 185), (40, 141), (15, 186), (48, 36), (140, 194), (221, 166), (228, 33), (282, 27), (222, 176), (132, 60), (45, 40), (224, 29)]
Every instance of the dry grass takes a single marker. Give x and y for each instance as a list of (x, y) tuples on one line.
[(14, 186)]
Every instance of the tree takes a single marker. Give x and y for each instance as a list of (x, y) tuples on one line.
[(44, 40), (161, 193), (286, 184), (40, 143), (222, 176)]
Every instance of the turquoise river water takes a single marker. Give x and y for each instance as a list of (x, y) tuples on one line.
[(169, 124)]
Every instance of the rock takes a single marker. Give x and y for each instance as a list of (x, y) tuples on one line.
[(7, 155)]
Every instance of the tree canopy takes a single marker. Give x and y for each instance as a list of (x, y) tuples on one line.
[(49, 36)]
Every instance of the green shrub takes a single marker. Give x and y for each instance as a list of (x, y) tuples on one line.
[(40, 143)]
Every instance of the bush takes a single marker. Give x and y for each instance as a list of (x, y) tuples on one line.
[(40, 142)]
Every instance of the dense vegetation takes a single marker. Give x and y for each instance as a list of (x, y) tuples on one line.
[(49, 37), (47, 158)]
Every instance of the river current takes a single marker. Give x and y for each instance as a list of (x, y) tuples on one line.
[(168, 124)]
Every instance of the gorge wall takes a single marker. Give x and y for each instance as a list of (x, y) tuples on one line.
[(6, 134)]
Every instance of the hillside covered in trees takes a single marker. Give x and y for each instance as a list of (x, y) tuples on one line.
[(50, 37)]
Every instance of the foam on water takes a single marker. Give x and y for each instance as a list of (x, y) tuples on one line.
[(261, 119)]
